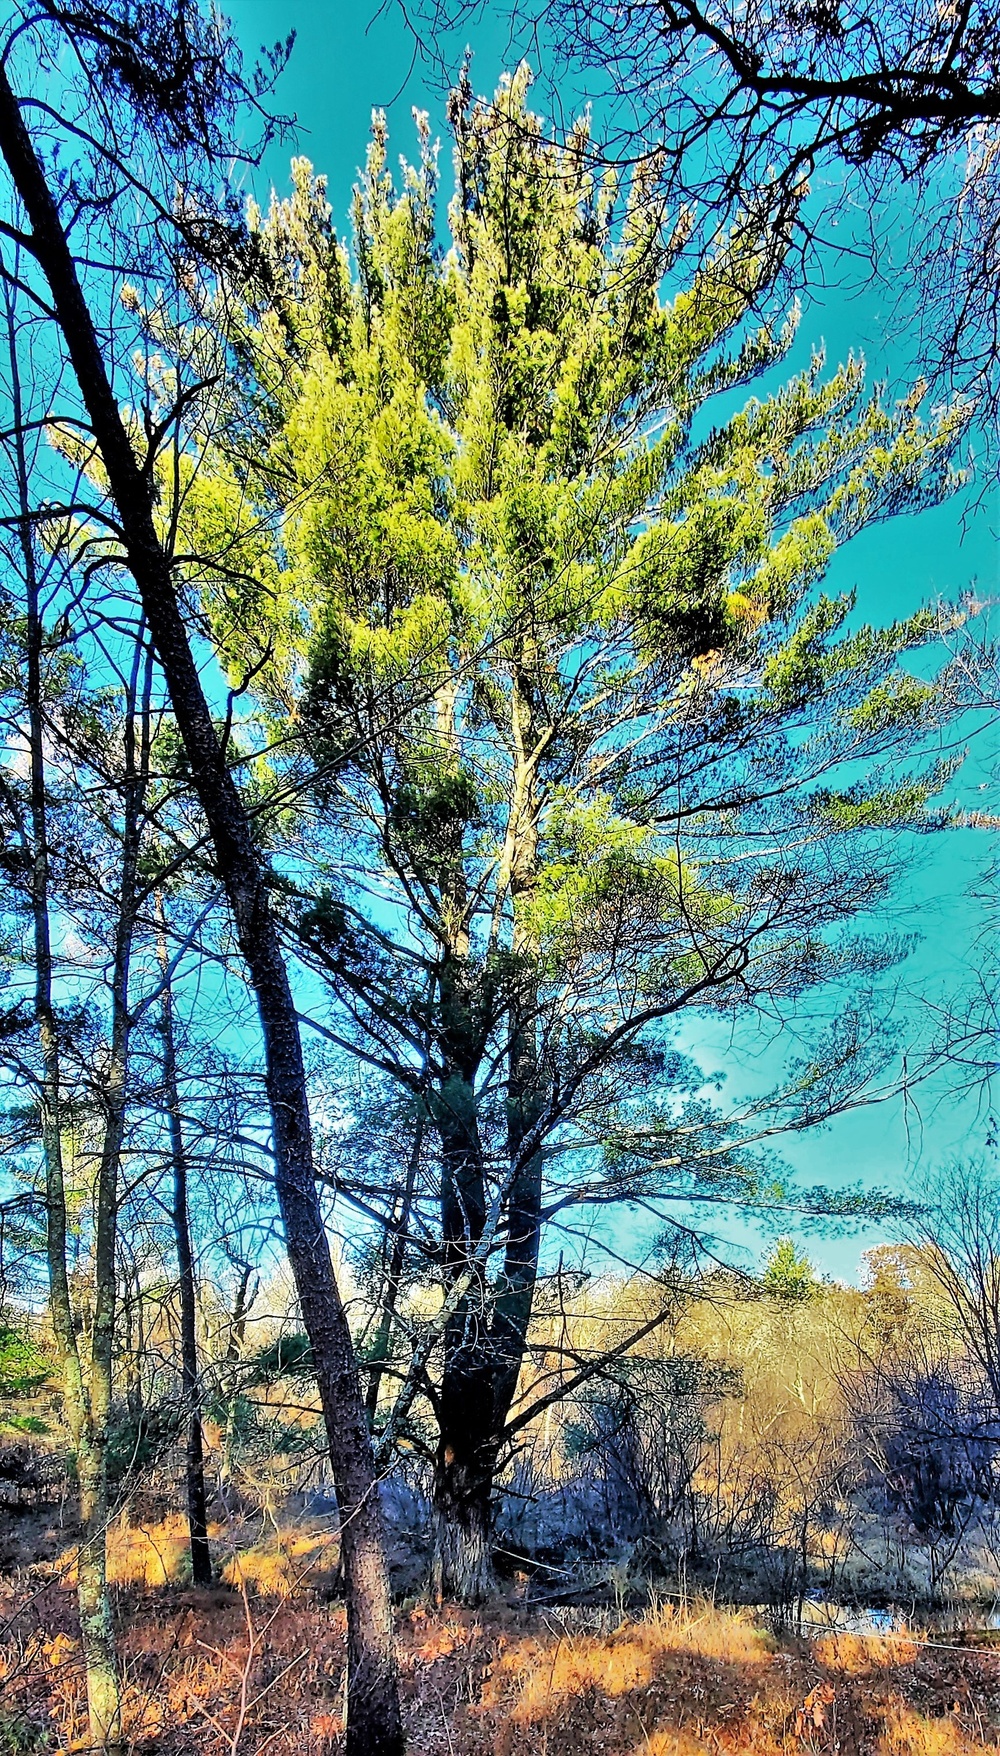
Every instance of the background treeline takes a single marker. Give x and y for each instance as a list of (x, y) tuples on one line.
[(780, 1437)]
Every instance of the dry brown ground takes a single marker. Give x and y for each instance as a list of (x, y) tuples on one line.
[(240, 1674)]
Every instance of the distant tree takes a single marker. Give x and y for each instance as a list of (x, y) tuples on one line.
[(931, 1446), (958, 1230), (787, 1275)]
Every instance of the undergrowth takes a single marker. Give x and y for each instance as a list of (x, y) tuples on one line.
[(496, 1683)]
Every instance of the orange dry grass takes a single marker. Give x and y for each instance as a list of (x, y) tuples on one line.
[(617, 1665), (502, 1684), (148, 1556), (861, 1654), (285, 1561), (144, 1555)]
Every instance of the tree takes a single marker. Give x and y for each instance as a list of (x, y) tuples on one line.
[(787, 1275), (891, 113), (52, 716), (927, 1435), (957, 1228), (588, 748), (201, 1559), (153, 91)]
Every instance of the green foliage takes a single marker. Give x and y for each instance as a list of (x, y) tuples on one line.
[(21, 1736), (289, 1356), (136, 1441), (24, 1369), (503, 534), (789, 1276)]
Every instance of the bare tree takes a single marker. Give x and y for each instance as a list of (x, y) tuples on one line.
[(201, 1559), (959, 1230)]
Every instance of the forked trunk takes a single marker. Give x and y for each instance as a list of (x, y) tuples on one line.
[(462, 1561), (485, 1349)]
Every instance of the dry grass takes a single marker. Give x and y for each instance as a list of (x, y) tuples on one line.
[(277, 1562), (304, 1554), (502, 1685)]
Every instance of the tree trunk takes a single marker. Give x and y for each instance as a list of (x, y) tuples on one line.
[(201, 1558), (94, 1605), (97, 1634), (485, 1349), (381, 1342), (462, 1561), (95, 1612), (374, 1727), (462, 1566)]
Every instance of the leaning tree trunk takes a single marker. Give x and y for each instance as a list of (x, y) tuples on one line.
[(194, 1470), (374, 1726)]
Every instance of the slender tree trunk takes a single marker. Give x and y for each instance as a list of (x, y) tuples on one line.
[(234, 1351), (201, 1558), (374, 1725), (96, 1623), (94, 1501), (382, 1339), (241, 1305)]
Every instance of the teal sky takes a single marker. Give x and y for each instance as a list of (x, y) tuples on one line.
[(350, 58)]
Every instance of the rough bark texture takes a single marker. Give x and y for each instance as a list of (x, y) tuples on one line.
[(462, 1565), (484, 1347), (374, 1726), (194, 1474)]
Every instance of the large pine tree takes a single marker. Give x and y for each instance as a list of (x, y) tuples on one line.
[(588, 745)]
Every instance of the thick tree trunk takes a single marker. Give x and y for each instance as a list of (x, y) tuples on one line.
[(374, 1725), (462, 1561), (485, 1347), (463, 1516), (194, 1473)]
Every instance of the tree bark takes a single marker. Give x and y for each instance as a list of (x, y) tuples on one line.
[(374, 1724), (194, 1471), (484, 1348), (95, 1611), (462, 1561), (379, 1352), (94, 1605)]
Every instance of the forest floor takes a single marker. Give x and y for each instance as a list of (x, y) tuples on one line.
[(241, 1672)]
